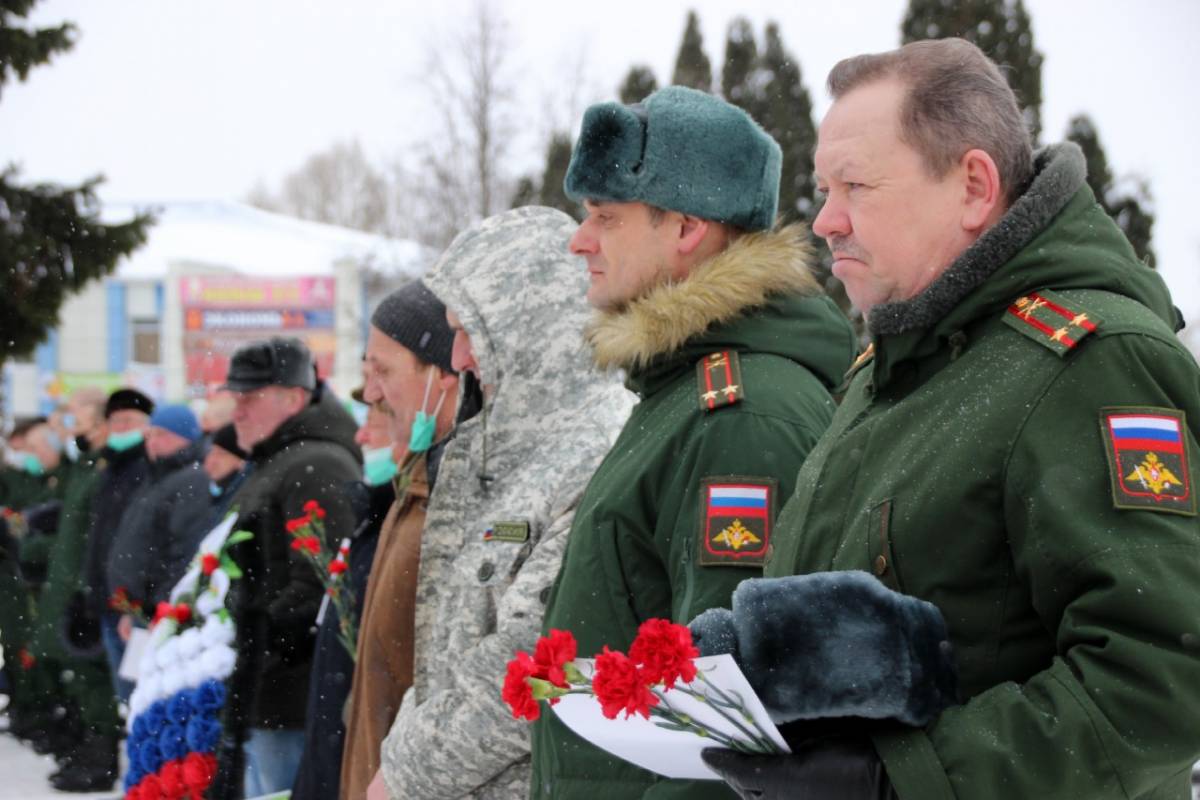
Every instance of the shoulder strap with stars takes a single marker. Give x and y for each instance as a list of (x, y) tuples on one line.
[(1051, 320), (719, 380)]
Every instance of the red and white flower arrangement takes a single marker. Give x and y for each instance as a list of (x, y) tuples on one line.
[(661, 660)]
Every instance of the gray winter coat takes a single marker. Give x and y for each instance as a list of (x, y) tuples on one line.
[(506, 492)]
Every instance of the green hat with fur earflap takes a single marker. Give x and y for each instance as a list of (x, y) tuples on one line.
[(682, 150)]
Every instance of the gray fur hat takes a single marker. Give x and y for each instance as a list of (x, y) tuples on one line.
[(679, 149)]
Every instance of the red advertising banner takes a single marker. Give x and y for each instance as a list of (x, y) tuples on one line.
[(220, 314)]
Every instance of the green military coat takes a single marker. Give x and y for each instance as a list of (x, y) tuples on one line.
[(649, 539), (981, 462)]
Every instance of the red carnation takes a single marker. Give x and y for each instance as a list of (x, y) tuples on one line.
[(198, 771), (337, 567), (27, 659), (310, 543), (182, 613), (209, 563), (664, 652), (150, 787), (163, 609), (297, 524), (620, 686), (170, 777), (517, 692), (551, 653), (313, 509)]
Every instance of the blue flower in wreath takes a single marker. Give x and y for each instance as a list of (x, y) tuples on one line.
[(172, 742), (179, 707), (208, 697), (202, 734)]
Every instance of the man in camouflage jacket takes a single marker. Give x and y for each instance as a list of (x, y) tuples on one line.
[(498, 517)]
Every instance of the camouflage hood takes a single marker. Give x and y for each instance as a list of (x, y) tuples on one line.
[(521, 297), (498, 516)]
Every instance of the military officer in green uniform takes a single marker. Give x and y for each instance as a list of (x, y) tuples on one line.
[(1018, 448), (94, 725), (711, 310), (30, 494)]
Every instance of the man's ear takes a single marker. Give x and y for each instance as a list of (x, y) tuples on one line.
[(446, 380), (983, 200), (692, 231)]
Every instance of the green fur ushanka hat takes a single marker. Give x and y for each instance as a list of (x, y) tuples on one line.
[(679, 149)]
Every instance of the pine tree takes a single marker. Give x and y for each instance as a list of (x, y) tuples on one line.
[(51, 240), (639, 84), (692, 67), (1000, 28), (558, 158), (1131, 208), (787, 115), (549, 190), (741, 62)]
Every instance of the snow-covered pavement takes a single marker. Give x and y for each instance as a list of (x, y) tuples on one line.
[(25, 774)]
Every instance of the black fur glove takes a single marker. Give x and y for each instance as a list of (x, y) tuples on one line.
[(835, 644), (836, 769)]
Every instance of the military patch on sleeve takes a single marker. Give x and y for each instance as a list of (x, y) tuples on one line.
[(736, 519), (1148, 459), (1051, 320), (719, 380), (510, 531)]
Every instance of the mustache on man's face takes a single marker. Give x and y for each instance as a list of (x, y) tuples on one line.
[(846, 246)]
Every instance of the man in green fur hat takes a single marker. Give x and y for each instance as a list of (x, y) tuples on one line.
[(1019, 450), (713, 314)]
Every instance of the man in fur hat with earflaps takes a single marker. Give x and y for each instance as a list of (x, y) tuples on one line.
[(714, 316)]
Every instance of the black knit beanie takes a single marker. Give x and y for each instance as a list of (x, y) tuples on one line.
[(413, 317)]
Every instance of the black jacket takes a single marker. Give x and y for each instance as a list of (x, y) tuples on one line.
[(121, 476), (311, 456), (158, 536)]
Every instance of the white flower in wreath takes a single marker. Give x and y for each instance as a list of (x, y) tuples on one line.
[(212, 599), (190, 644), (218, 661), (167, 654), (217, 631)]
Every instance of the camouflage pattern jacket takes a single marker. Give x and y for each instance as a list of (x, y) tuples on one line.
[(497, 520)]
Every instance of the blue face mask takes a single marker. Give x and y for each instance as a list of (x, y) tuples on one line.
[(71, 449), (30, 463), (120, 442), (420, 437), (378, 466), (215, 489)]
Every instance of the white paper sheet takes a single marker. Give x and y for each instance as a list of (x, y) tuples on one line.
[(132, 660), (673, 754)]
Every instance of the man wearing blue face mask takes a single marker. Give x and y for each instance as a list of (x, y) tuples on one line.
[(123, 469)]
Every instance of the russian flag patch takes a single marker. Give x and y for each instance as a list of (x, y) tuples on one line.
[(1148, 460), (736, 521)]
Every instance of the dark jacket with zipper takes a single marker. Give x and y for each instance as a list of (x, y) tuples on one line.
[(310, 457)]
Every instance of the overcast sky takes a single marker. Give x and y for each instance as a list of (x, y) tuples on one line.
[(191, 99)]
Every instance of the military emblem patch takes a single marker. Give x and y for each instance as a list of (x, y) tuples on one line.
[(507, 532), (736, 522), (719, 377), (1148, 459)]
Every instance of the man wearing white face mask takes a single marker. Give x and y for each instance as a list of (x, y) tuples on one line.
[(406, 366)]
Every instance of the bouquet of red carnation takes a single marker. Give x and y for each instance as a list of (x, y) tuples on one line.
[(308, 539), (660, 660)]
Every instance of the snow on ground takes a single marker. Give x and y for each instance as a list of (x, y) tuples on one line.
[(26, 774)]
